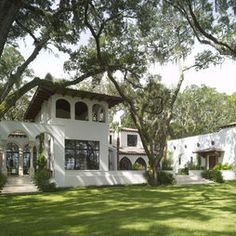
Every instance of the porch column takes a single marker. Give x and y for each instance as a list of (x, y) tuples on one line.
[(4, 161), (21, 162), (31, 170)]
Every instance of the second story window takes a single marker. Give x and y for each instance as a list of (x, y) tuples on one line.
[(81, 111), (98, 113), (132, 140), (62, 109)]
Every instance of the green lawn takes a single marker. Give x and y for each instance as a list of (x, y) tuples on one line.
[(137, 210)]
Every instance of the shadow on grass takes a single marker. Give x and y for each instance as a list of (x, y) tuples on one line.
[(134, 210)]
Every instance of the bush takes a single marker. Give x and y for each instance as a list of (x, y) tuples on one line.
[(192, 166), (42, 180), (3, 180), (166, 178), (166, 164), (136, 166), (214, 175), (222, 167), (183, 171)]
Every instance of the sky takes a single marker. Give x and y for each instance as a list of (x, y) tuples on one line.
[(222, 77)]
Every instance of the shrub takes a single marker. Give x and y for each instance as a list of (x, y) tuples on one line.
[(136, 166), (166, 164), (42, 176), (42, 180), (214, 175), (192, 166), (3, 180), (166, 178), (183, 171), (220, 166), (163, 178)]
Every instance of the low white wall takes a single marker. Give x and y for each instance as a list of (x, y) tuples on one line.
[(98, 178), (228, 174), (195, 174)]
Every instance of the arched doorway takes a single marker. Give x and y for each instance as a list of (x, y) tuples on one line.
[(141, 163), (12, 154), (125, 164)]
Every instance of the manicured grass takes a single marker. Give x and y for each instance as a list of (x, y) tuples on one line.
[(134, 210)]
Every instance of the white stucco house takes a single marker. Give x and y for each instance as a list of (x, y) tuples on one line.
[(206, 150), (73, 127), (129, 149)]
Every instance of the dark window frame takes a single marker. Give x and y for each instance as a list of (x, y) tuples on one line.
[(81, 114), (132, 143), (82, 154), (67, 112)]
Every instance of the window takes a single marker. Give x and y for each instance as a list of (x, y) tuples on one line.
[(110, 139), (132, 140), (81, 111), (191, 160), (62, 109), (98, 113), (212, 143), (12, 154), (81, 155), (125, 164), (179, 160)]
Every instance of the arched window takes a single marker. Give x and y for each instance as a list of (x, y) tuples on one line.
[(62, 109), (125, 164), (12, 153), (98, 113), (141, 163), (26, 159), (81, 111)]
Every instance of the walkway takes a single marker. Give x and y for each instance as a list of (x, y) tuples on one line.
[(186, 179), (19, 184)]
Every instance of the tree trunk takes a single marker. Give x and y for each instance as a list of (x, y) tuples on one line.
[(8, 12)]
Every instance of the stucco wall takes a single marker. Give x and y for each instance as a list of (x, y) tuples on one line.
[(225, 139), (88, 178)]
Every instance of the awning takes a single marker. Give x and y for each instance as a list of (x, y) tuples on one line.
[(209, 151)]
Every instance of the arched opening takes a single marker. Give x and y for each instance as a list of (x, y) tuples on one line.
[(141, 164), (26, 160), (62, 109), (81, 111), (98, 113), (12, 154), (125, 164)]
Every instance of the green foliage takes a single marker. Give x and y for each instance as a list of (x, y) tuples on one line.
[(42, 176), (42, 180), (192, 166), (166, 164), (166, 178), (183, 171), (136, 166), (41, 162), (3, 180), (220, 166), (214, 175), (211, 110)]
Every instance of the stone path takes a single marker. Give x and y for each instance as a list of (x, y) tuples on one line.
[(19, 184), (186, 179)]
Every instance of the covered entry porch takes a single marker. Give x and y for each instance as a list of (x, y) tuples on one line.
[(211, 156), (20, 143)]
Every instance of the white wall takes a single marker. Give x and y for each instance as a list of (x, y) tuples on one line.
[(225, 139), (123, 139), (88, 178)]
